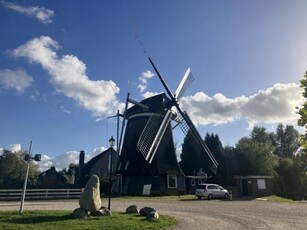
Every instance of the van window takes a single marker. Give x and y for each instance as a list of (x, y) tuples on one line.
[(211, 187), (201, 186)]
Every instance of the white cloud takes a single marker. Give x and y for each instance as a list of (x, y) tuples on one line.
[(40, 13), (12, 148), (15, 79), (144, 77), (68, 75), (65, 159), (273, 105)]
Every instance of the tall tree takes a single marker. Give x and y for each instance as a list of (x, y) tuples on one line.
[(291, 178), (232, 165), (286, 141), (13, 169), (192, 161), (215, 145), (189, 157), (303, 112), (255, 154), (260, 135)]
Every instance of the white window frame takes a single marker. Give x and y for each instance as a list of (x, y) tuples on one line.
[(193, 183), (168, 180), (261, 184)]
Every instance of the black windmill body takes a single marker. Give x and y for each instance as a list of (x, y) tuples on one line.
[(136, 171), (148, 162)]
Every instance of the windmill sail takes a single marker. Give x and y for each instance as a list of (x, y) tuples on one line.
[(185, 82), (152, 135), (198, 143)]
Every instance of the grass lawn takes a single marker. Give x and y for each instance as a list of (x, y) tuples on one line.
[(63, 220), (277, 199)]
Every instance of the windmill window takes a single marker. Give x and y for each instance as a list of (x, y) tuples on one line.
[(200, 181), (172, 181), (127, 165)]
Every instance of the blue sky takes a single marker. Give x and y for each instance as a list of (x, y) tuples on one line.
[(65, 66)]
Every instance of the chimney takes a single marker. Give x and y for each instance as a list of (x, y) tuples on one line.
[(81, 160)]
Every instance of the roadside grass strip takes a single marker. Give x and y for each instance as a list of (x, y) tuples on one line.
[(63, 220)]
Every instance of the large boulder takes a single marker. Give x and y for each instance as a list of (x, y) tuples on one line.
[(132, 209), (90, 199), (146, 210)]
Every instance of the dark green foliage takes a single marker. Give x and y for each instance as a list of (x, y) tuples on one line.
[(190, 160), (262, 153), (256, 157), (291, 178), (286, 141), (303, 112), (215, 145), (13, 169)]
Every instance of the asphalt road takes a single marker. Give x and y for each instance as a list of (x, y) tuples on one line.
[(200, 214)]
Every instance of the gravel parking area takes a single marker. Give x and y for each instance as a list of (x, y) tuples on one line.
[(200, 214)]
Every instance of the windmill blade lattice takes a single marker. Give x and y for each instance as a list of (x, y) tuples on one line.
[(186, 125), (152, 134)]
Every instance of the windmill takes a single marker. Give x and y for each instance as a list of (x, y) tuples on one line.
[(147, 162)]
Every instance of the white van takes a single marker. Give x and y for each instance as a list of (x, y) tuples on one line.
[(211, 191)]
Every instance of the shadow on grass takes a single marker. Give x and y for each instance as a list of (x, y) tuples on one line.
[(39, 219)]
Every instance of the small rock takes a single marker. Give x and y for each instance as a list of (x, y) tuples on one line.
[(102, 212), (152, 216), (146, 210), (108, 212), (99, 212), (79, 213), (132, 209)]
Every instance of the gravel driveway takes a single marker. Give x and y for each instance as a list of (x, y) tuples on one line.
[(200, 214)]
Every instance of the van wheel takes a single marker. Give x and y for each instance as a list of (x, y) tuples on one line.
[(210, 197), (199, 197)]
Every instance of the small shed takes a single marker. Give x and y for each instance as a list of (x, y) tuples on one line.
[(256, 186), (193, 181)]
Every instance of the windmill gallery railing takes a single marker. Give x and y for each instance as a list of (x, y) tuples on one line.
[(15, 194)]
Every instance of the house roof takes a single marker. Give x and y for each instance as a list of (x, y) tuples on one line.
[(87, 166), (50, 170)]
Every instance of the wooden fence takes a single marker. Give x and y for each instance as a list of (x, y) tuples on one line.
[(16, 194)]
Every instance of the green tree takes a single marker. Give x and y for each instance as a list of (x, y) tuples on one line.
[(291, 178), (191, 160), (303, 112), (215, 145), (255, 155), (232, 166), (260, 135), (286, 141), (13, 169), (189, 157)]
